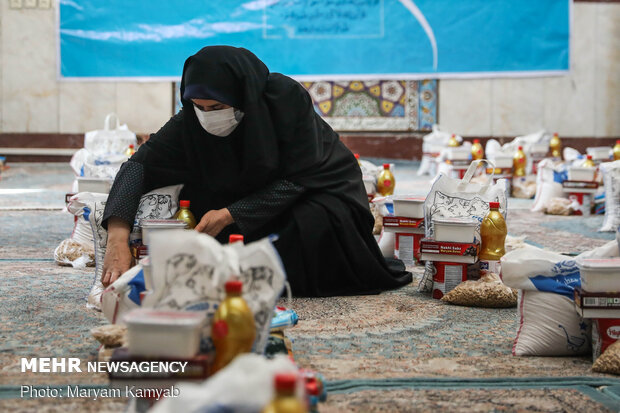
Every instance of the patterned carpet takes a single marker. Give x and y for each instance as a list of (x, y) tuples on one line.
[(397, 351)]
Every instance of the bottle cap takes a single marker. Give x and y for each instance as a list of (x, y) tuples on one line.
[(589, 157), (520, 148), (233, 286), (235, 238), (386, 166), (357, 155), (184, 203), (555, 134), (476, 140), (494, 205), (618, 142), (131, 145), (285, 381), (453, 135)]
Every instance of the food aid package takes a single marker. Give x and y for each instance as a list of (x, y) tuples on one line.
[(460, 198), (113, 139), (245, 385), (432, 145), (104, 150), (548, 322), (605, 332), (549, 178), (489, 291), (161, 203), (189, 270), (611, 180)]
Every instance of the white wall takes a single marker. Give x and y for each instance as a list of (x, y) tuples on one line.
[(34, 101), (584, 103)]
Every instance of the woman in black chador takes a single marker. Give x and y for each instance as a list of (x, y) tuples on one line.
[(256, 159)]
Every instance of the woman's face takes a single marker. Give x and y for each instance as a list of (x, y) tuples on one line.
[(207, 105)]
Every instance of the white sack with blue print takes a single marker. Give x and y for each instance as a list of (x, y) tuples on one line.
[(548, 322)]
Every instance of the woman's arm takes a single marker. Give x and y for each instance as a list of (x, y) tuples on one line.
[(252, 212), (117, 257)]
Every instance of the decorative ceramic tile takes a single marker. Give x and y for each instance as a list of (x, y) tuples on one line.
[(384, 105)]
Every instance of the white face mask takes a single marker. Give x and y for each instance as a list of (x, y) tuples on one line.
[(219, 122)]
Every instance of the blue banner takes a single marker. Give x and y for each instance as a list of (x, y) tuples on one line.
[(318, 39)]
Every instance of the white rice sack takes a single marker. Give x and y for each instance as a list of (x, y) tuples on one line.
[(550, 326), (611, 180)]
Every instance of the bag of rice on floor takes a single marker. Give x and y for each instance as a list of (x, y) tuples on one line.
[(489, 291)]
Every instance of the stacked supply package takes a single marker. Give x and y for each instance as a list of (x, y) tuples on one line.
[(452, 251), (581, 186), (408, 225), (599, 299)]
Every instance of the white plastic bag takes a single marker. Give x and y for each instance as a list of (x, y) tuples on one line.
[(189, 270), (611, 180), (245, 385), (114, 300), (113, 139)]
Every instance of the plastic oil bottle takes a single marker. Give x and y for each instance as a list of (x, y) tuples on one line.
[(232, 238), (233, 330), (386, 181), (588, 163), (617, 151), (556, 146), (453, 141), (285, 400), (493, 232), (130, 150), (184, 214), (477, 152), (519, 161)]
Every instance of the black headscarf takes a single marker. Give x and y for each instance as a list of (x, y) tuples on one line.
[(279, 137)]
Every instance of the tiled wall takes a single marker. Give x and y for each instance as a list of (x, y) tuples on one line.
[(584, 103)]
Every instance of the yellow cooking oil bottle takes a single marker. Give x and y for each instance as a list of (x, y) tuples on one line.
[(493, 232), (588, 163), (130, 150), (556, 146), (477, 152), (617, 151), (184, 214), (386, 181), (519, 161), (233, 329), (285, 400)]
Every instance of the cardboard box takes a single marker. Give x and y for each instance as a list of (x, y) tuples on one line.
[(447, 276), (403, 225), (605, 332), (440, 251)]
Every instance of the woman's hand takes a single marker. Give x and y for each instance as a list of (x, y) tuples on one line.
[(118, 257), (214, 221)]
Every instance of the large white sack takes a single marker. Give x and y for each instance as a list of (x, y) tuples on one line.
[(550, 326), (611, 180)]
